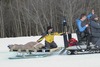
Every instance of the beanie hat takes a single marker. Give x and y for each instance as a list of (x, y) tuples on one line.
[(49, 27)]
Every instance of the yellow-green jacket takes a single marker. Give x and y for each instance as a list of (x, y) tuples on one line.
[(49, 37)]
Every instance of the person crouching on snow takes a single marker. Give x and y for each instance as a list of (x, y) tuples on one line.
[(49, 38)]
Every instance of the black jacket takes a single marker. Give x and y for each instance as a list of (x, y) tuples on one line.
[(95, 29)]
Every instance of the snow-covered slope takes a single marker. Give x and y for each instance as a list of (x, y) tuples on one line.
[(88, 60)]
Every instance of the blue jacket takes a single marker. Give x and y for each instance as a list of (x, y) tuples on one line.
[(79, 23), (89, 16)]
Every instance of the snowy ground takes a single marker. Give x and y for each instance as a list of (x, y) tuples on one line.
[(89, 60)]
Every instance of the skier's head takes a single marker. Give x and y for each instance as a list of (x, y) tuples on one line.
[(83, 17), (93, 11), (49, 29)]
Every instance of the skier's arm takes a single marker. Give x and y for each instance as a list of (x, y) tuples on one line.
[(81, 29), (60, 33), (95, 25), (41, 38), (91, 14)]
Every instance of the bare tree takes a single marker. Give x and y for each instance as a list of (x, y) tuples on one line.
[(31, 17)]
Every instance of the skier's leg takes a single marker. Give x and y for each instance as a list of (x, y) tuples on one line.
[(47, 45), (98, 43), (53, 45), (88, 41)]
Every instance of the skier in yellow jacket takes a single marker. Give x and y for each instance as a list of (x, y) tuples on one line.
[(49, 38)]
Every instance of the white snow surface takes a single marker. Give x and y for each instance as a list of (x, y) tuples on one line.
[(87, 60)]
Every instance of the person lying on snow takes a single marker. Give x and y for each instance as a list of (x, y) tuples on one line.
[(95, 30), (49, 38)]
